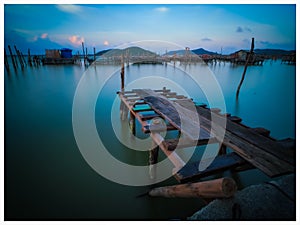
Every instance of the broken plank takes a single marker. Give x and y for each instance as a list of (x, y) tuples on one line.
[(219, 164)]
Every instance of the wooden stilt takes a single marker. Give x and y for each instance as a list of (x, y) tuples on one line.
[(94, 54), (19, 57), (23, 58), (29, 58), (153, 159), (12, 57), (6, 61), (219, 188), (132, 123), (223, 149), (245, 69)]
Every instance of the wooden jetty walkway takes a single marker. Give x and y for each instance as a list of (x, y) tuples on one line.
[(251, 147)]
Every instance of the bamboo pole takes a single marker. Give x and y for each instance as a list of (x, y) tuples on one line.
[(245, 69), (219, 188), (12, 57)]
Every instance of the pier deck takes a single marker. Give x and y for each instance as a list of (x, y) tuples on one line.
[(251, 147)]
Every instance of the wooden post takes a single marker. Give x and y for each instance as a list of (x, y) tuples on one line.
[(123, 111), (122, 77), (219, 188), (245, 69), (132, 123), (6, 61), (19, 57), (153, 159), (29, 58), (83, 53), (24, 61), (12, 57), (94, 54), (223, 149)]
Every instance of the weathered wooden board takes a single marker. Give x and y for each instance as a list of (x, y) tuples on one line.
[(221, 163), (181, 115), (273, 163)]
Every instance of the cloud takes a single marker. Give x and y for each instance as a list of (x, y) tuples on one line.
[(265, 42), (248, 29), (206, 39), (106, 43), (44, 36), (76, 40), (74, 9), (162, 9), (239, 29)]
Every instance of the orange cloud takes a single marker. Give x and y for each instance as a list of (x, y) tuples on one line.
[(44, 35), (106, 43), (76, 40)]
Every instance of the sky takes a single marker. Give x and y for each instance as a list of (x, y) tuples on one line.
[(159, 28)]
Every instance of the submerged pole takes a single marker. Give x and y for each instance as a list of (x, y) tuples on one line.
[(245, 69)]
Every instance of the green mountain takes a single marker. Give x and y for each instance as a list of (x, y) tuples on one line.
[(131, 51)]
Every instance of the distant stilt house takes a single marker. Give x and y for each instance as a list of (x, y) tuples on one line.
[(240, 57), (56, 56)]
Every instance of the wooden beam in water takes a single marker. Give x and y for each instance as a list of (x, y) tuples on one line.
[(219, 188)]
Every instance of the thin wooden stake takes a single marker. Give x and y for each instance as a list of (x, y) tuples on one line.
[(245, 69)]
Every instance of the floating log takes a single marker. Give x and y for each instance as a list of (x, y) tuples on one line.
[(219, 188)]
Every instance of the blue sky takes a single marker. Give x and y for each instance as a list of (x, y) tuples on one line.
[(213, 27)]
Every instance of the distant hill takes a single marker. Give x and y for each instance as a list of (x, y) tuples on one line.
[(102, 52), (273, 52), (202, 51), (131, 51), (199, 51)]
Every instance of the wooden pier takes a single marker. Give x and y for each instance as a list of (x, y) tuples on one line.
[(249, 147)]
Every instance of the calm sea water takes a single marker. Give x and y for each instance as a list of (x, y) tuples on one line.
[(46, 176)]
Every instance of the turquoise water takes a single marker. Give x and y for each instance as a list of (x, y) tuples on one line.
[(46, 176)]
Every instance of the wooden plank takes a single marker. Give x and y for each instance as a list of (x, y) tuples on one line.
[(180, 117), (148, 115), (173, 144), (219, 164), (269, 163), (250, 136), (139, 108)]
